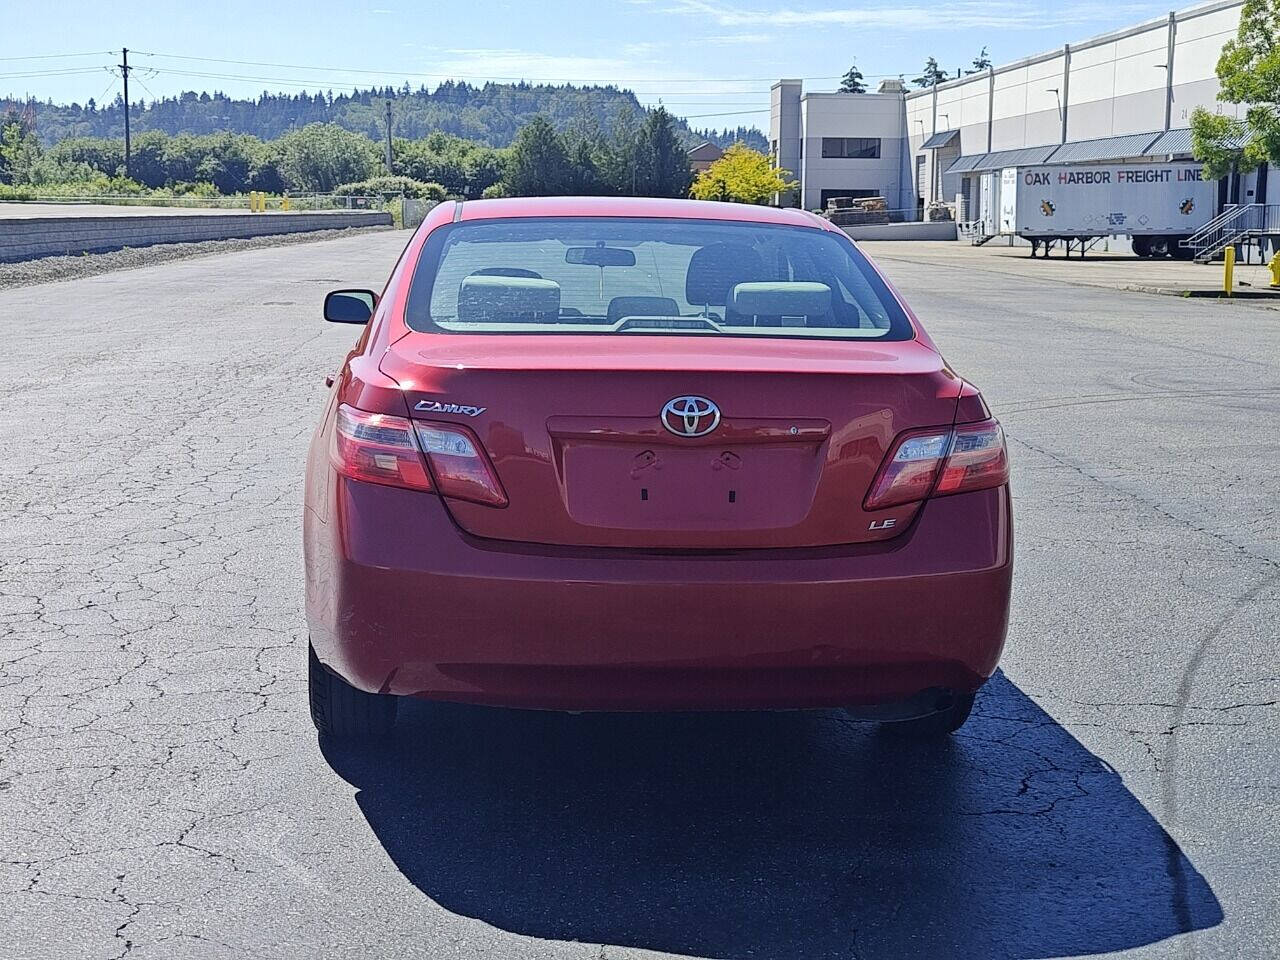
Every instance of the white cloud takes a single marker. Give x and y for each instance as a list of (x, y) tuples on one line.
[(641, 50), (731, 39), (965, 14), (649, 78)]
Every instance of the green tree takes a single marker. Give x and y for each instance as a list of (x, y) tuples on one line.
[(661, 163), (102, 154), (539, 163), (742, 175), (1249, 73), (616, 155), (932, 74), (980, 62), (19, 149), (852, 81), (321, 156), (584, 176)]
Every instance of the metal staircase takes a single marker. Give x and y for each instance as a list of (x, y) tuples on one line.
[(1243, 223), (975, 231)]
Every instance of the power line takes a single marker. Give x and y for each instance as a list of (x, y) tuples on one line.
[(110, 86), (319, 83), (731, 113), (61, 56), (66, 71), (463, 76)]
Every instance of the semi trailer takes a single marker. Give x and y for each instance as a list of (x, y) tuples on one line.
[(1156, 205)]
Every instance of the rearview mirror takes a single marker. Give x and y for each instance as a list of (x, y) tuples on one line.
[(349, 306), (600, 256)]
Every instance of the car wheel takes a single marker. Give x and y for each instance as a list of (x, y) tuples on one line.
[(340, 710), (945, 721)]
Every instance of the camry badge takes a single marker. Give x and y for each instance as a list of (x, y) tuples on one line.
[(690, 416), (435, 406)]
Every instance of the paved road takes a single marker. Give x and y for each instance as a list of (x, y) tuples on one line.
[(162, 794)]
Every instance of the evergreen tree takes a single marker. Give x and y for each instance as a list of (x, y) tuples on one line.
[(933, 74), (661, 164), (852, 82), (539, 164), (980, 62)]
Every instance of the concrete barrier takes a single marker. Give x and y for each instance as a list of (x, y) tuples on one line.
[(929, 230), (26, 238)]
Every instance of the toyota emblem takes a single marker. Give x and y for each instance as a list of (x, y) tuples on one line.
[(690, 416)]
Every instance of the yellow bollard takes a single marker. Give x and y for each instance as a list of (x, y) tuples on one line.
[(284, 202), (1274, 266), (1228, 269), (253, 201)]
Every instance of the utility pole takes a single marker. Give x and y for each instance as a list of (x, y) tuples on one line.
[(124, 72), (389, 170)]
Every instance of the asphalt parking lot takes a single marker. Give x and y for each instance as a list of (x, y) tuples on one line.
[(163, 794)]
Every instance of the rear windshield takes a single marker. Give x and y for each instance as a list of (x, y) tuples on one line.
[(656, 276)]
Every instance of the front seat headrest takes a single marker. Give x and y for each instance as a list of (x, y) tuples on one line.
[(719, 267)]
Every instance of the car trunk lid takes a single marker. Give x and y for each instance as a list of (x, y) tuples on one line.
[(575, 428)]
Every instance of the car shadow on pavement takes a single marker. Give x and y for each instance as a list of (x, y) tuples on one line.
[(777, 835)]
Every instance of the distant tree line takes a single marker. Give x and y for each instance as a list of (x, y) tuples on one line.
[(646, 158), (491, 114)]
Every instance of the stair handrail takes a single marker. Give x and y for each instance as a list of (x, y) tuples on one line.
[(1241, 221), (1230, 212)]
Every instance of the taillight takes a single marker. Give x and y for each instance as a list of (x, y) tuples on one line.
[(378, 448), (977, 459), (459, 464), (940, 461), (389, 450)]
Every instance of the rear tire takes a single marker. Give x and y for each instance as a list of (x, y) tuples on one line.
[(934, 725), (1141, 246), (341, 711)]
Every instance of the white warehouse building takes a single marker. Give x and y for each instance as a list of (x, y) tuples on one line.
[(1126, 96)]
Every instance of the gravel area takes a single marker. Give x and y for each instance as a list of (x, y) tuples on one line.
[(50, 269)]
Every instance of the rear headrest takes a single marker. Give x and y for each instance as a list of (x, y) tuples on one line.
[(781, 299), (717, 268), (500, 299), (507, 272), (620, 307)]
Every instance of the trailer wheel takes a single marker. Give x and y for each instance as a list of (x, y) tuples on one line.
[(1159, 247), (1142, 246)]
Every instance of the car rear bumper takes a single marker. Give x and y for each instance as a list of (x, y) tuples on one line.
[(399, 600)]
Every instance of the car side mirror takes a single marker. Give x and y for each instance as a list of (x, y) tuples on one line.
[(349, 306)]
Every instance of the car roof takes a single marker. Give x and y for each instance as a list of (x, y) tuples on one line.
[(636, 207)]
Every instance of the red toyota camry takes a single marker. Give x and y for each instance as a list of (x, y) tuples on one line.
[(631, 454)]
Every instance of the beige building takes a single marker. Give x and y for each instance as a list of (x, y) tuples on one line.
[(1125, 96)]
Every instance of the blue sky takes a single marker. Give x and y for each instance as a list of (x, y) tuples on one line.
[(711, 60)]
